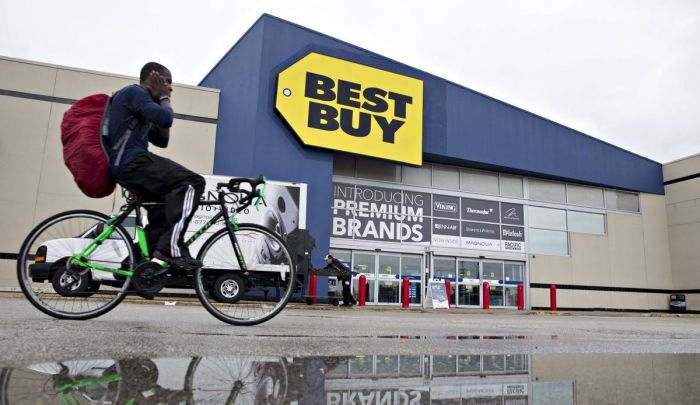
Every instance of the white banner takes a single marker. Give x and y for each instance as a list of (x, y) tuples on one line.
[(285, 210)]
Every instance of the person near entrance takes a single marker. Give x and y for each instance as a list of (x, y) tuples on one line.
[(335, 264)]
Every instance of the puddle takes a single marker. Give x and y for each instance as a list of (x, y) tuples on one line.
[(404, 337), (460, 337), (371, 379)]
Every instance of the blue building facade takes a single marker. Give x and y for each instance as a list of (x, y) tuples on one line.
[(461, 127)]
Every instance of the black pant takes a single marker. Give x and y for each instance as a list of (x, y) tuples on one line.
[(159, 179), (347, 292)]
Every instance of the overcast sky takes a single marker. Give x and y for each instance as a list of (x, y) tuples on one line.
[(624, 71)]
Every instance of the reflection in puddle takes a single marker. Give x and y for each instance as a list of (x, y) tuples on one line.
[(372, 379), (406, 337), (456, 337)]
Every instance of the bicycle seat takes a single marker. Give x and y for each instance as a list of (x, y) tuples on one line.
[(131, 191), (131, 196)]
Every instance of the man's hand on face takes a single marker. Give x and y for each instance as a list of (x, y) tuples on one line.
[(158, 85)]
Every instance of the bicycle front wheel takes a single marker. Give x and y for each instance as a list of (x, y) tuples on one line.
[(251, 296), (67, 291)]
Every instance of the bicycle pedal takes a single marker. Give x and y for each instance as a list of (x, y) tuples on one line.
[(148, 280), (159, 272)]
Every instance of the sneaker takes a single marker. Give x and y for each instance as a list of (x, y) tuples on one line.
[(185, 263), (145, 295)]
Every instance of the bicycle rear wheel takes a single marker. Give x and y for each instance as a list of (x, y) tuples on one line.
[(239, 379), (67, 291), (245, 297)]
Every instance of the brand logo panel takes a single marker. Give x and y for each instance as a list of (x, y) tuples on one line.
[(513, 233), (480, 210), (445, 206), (336, 104), (512, 214), (445, 233), (480, 230)]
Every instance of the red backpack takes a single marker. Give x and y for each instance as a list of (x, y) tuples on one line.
[(85, 138)]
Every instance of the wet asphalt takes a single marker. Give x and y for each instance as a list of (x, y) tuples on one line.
[(158, 330)]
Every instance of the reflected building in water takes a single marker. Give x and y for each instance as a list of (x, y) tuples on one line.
[(430, 379), (370, 379)]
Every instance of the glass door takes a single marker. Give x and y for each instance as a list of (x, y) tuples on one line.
[(468, 283), (513, 273), (445, 268), (467, 277), (388, 279), (385, 273), (364, 263), (412, 267), (493, 273)]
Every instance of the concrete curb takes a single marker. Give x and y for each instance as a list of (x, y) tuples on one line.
[(194, 301)]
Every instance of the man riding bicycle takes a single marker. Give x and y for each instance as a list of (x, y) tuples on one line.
[(145, 109)]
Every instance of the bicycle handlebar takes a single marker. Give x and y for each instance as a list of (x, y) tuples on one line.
[(234, 186)]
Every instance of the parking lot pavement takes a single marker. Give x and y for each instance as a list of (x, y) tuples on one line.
[(159, 330)]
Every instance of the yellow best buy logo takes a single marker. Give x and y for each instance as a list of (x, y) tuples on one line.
[(336, 104)]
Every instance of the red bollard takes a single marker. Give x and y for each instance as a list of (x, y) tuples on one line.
[(521, 297), (448, 290), (362, 290), (312, 288), (553, 297), (404, 292), (485, 293)]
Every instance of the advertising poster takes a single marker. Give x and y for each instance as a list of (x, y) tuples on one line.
[(392, 215), (445, 206), (513, 238), (445, 231), (512, 230), (377, 213), (480, 210), (438, 296), (285, 210), (512, 214), (481, 236)]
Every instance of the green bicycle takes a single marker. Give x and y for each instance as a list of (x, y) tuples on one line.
[(81, 264)]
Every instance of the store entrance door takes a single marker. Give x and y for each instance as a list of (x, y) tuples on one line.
[(467, 276), (503, 278), (385, 273), (468, 283), (493, 273), (366, 265), (388, 279), (513, 275)]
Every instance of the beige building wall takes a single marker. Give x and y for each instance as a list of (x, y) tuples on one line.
[(622, 378), (683, 210), (634, 253), (34, 182)]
